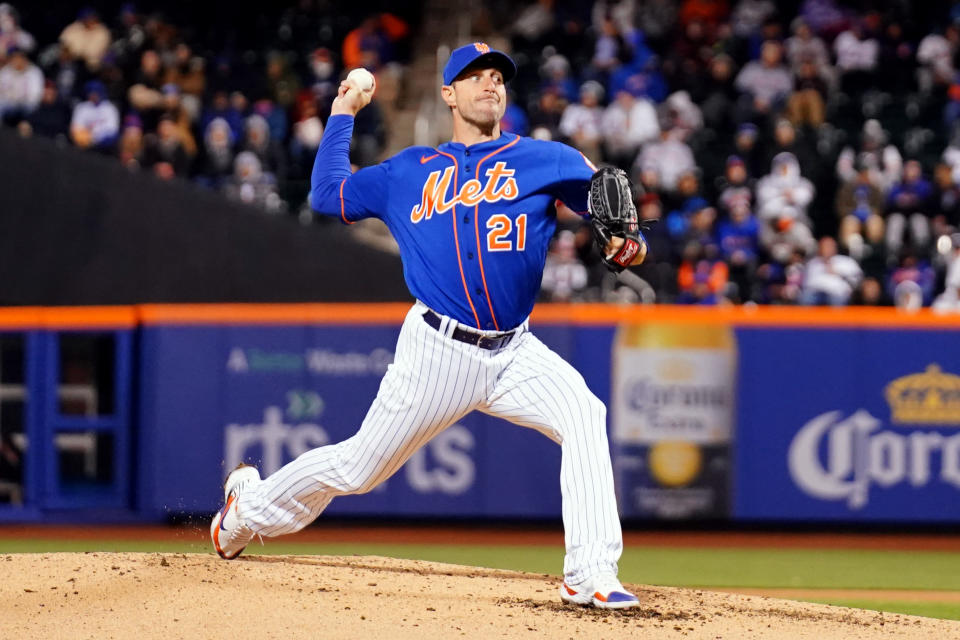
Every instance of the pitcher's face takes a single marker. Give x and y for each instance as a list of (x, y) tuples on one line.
[(479, 96)]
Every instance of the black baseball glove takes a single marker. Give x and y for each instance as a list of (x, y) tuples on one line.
[(613, 215)]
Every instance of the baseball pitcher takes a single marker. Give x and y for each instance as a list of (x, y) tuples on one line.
[(473, 218)]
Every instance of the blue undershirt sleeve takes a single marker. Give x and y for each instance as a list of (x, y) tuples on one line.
[(334, 189)]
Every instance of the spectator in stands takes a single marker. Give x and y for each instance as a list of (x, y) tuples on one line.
[(533, 26), (217, 156), (220, 107), (857, 57), (913, 278), (782, 200), (582, 122), (86, 39), (746, 146), (564, 276), (643, 80), (283, 85), (936, 54), (51, 118), (21, 88), (738, 237), (306, 133), (689, 55), (870, 293), (883, 160), (897, 61), (188, 73), (12, 35), (95, 123), (627, 124), (257, 140), (384, 33), (656, 19), (735, 188), (909, 203), (701, 221), (805, 47), (249, 184), (807, 105), (557, 79), (702, 276), (946, 201), (858, 201), (780, 283), (621, 12), (660, 269), (610, 51), (164, 152), (786, 139), (323, 77), (825, 18), (131, 147), (129, 37), (545, 116), (684, 116), (749, 15), (765, 84), (173, 109), (717, 96), (709, 12), (829, 278), (951, 110), (65, 72), (146, 92), (668, 158), (872, 254)]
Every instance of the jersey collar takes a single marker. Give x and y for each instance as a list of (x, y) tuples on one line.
[(489, 145)]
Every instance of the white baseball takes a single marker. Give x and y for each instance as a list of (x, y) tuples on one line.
[(361, 79)]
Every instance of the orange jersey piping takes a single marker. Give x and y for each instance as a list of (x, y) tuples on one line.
[(476, 226), (456, 239)]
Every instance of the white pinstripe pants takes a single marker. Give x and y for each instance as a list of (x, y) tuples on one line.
[(433, 382)]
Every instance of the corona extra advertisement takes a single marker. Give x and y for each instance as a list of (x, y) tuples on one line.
[(876, 441), (673, 392)]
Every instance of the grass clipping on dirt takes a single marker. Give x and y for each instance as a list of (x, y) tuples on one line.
[(163, 596)]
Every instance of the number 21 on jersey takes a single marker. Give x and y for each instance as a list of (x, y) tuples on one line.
[(500, 236)]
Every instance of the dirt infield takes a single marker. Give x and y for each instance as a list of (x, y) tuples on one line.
[(166, 596)]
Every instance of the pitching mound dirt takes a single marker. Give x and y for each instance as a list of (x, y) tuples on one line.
[(165, 596)]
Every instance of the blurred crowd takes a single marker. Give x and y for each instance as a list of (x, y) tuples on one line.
[(792, 152), (150, 90), (800, 152)]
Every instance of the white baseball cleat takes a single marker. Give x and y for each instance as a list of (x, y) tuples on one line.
[(602, 591), (227, 531)]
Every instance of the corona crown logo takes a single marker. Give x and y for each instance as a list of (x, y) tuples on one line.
[(482, 47), (931, 397)]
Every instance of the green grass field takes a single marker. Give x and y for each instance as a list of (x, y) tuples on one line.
[(718, 568)]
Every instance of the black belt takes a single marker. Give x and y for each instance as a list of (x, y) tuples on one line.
[(471, 337)]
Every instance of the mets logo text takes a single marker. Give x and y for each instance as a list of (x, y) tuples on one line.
[(500, 185)]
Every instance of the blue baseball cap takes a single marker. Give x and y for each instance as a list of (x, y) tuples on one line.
[(478, 54)]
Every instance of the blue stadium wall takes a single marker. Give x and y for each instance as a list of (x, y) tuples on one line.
[(765, 415)]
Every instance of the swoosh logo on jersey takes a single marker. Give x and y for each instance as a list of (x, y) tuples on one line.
[(426, 159)]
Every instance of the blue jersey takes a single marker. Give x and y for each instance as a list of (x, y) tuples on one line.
[(473, 223)]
